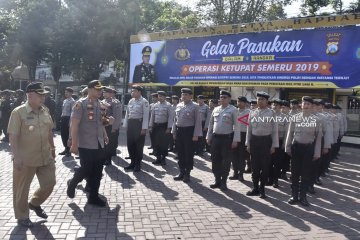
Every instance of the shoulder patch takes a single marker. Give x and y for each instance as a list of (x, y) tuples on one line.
[(77, 106)]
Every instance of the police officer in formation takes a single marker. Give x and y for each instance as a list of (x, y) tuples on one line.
[(261, 141), (154, 100), (205, 117), (88, 139), (114, 110), (223, 135), (136, 123), (174, 103), (240, 155), (67, 106), (303, 144), (161, 121), (186, 131)]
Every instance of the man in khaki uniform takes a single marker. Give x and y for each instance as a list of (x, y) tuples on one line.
[(32, 145)]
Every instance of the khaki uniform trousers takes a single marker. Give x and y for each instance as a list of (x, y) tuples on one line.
[(21, 186)]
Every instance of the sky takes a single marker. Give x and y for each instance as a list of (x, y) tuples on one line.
[(291, 10)]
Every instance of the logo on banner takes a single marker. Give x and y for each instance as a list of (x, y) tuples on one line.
[(182, 53), (333, 40)]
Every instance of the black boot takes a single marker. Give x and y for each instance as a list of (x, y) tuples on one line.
[(303, 201), (223, 186), (262, 191), (235, 176), (255, 191), (186, 177), (217, 183), (180, 176)]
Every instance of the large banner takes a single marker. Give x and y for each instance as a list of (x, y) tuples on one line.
[(317, 58)]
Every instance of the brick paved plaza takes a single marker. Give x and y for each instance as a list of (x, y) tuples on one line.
[(151, 205)]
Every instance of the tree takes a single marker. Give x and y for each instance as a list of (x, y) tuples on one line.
[(219, 12), (354, 6), (310, 7)]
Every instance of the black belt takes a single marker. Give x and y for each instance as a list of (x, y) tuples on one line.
[(229, 135), (160, 124), (135, 119)]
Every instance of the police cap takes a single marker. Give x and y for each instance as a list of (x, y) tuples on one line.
[(95, 84), (215, 101), (328, 105), (69, 89), (242, 99), (186, 90), (200, 97), (155, 95), (277, 101), (19, 92), (319, 102), (224, 92), (294, 101), (262, 94), (109, 90), (36, 87), (253, 101), (307, 99), (146, 51), (161, 93), (285, 103), (138, 87), (175, 97)]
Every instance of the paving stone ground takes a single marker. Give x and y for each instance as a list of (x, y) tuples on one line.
[(151, 205)]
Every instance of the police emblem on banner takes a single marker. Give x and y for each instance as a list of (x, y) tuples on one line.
[(182, 53), (332, 42)]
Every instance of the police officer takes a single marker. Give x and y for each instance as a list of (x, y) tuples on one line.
[(303, 143), (50, 103), (261, 141), (145, 72), (161, 121), (137, 122), (67, 106), (205, 117), (20, 98), (113, 110), (240, 154), (294, 106), (5, 113), (278, 157), (253, 104), (32, 145), (88, 139), (174, 103), (223, 136), (154, 100), (186, 131), (285, 109)]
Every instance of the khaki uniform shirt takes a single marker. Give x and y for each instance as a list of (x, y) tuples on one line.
[(91, 128), (33, 134), (224, 121), (304, 132)]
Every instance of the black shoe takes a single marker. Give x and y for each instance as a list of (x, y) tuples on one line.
[(311, 190), (129, 167), (157, 162), (107, 162), (215, 185), (304, 202), (149, 147), (163, 162), (234, 177), (323, 175), (179, 177), (152, 153), (25, 223), (262, 193), (97, 202), (127, 157), (77, 157), (63, 152), (253, 192), (276, 184), (269, 183), (38, 210), (87, 188), (318, 182), (68, 154), (70, 189), (186, 178), (223, 186), (137, 168), (241, 178), (248, 170), (293, 201), (284, 176)]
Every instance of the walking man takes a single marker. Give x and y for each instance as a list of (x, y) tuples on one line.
[(32, 146), (68, 104)]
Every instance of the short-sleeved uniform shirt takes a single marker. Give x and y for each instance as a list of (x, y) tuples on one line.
[(33, 131)]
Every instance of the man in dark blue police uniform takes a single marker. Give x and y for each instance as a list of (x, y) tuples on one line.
[(145, 72)]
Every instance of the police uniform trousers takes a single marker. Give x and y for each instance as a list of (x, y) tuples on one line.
[(200, 145), (316, 166), (160, 143), (221, 155), (260, 147), (64, 131), (91, 166), (277, 159), (185, 147), (135, 141), (239, 156), (301, 163), (21, 185), (110, 148)]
